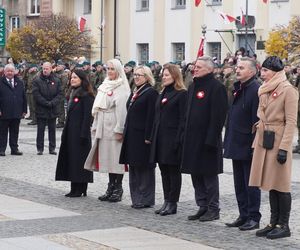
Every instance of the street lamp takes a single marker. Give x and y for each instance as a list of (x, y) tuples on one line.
[(203, 27)]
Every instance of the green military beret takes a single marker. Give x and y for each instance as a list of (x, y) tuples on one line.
[(149, 64), (86, 63), (97, 63), (131, 64), (79, 65)]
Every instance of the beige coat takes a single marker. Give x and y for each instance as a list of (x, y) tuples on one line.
[(105, 151), (280, 116)]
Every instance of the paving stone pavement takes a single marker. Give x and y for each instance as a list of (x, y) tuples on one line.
[(31, 177)]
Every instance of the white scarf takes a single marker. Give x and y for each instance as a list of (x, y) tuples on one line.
[(101, 97)]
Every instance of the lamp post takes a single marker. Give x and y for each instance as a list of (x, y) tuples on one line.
[(203, 27)]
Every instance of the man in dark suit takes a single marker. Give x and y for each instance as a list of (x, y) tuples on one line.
[(13, 107), (202, 146), (238, 141)]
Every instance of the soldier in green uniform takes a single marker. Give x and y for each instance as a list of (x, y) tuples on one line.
[(30, 76), (128, 68), (156, 70), (98, 76), (228, 80), (63, 76), (86, 67), (1, 69)]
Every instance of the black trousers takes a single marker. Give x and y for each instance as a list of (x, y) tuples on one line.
[(206, 191), (142, 185), (248, 198), (41, 124), (10, 126), (171, 181)]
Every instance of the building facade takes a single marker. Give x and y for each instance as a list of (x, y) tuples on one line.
[(167, 30)]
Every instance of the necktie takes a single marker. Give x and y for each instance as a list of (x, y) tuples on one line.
[(11, 83)]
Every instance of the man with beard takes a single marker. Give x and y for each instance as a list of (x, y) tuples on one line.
[(202, 138)]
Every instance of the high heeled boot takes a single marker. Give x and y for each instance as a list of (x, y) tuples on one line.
[(171, 208), (72, 189), (274, 207), (108, 193), (80, 190), (117, 193), (282, 229)]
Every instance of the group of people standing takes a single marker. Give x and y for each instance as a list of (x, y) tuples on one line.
[(120, 130)]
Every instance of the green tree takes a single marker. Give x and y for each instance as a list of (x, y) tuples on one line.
[(49, 38)]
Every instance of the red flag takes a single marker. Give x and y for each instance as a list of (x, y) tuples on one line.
[(81, 23), (265, 1), (242, 19), (227, 18), (201, 48), (197, 2)]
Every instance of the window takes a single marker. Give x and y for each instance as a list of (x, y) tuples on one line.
[(34, 7), (214, 2), (87, 8), (179, 4), (214, 50), (143, 52), (178, 51), (142, 5), (14, 22)]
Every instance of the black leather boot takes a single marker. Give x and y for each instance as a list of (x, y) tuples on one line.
[(274, 208), (108, 193), (80, 190), (282, 228), (117, 193), (171, 208), (210, 215), (72, 189), (162, 208)]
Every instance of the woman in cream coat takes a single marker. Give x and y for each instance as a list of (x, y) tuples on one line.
[(271, 168), (109, 112)]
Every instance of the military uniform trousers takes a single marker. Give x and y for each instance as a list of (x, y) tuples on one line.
[(10, 126), (31, 105), (41, 125), (248, 198), (171, 182), (206, 191), (142, 185), (62, 115)]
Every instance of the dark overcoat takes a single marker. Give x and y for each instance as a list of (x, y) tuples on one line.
[(138, 128), (47, 94), (12, 99), (76, 141), (241, 118), (168, 126), (205, 117)]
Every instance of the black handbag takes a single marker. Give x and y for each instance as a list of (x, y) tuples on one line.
[(268, 139)]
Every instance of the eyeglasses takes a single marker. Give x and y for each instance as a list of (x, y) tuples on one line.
[(109, 68), (137, 75)]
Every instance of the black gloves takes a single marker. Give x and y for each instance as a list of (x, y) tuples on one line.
[(281, 156), (48, 104)]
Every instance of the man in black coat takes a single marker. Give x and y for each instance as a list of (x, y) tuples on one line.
[(202, 142), (238, 141), (13, 107), (47, 95)]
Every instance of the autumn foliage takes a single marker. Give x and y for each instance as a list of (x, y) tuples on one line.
[(284, 41), (49, 38)]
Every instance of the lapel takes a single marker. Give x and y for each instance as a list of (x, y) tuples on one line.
[(8, 84), (168, 97), (138, 94), (275, 93), (73, 103)]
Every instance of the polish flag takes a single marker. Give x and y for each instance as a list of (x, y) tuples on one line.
[(227, 18), (242, 19), (197, 2), (265, 1), (81, 23), (201, 48)]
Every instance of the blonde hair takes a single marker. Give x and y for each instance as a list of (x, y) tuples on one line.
[(147, 74), (176, 75)]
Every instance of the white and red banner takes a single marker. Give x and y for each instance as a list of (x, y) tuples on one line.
[(201, 48), (197, 2), (227, 18), (81, 23)]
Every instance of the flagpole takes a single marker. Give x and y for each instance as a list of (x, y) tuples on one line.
[(246, 26), (101, 31)]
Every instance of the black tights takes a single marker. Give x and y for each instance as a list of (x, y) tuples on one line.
[(115, 178)]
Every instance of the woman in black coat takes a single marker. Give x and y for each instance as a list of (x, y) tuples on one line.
[(76, 136), (168, 127), (136, 145)]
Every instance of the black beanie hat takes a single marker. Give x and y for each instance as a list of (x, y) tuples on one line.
[(273, 63)]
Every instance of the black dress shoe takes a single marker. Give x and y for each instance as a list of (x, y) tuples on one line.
[(210, 215), (162, 208), (249, 225), (52, 152), (201, 211), (280, 231), (238, 222), (32, 123), (17, 152), (263, 232), (2, 153), (40, 153), (140, 206)]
